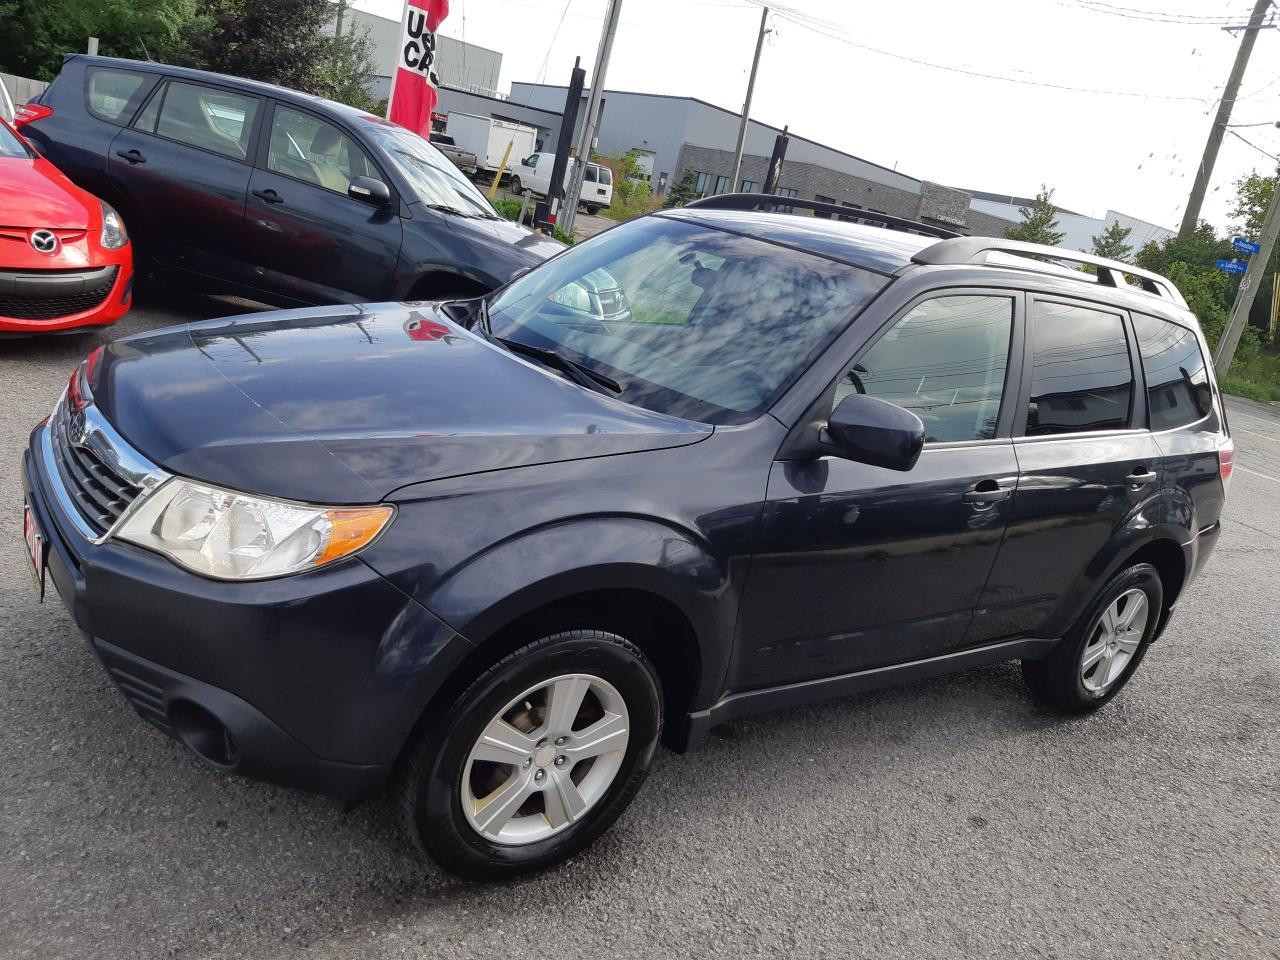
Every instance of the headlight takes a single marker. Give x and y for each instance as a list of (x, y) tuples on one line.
[(234, 536), (114, 235)]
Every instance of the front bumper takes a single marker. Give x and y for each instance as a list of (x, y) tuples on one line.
[(318, 678), (58, 300)]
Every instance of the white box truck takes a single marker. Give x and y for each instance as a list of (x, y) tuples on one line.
[(487, 138)]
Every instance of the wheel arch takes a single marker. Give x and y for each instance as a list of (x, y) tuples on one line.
[(435, 283)]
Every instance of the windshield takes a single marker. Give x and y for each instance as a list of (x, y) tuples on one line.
[(10, 145), (431, 176), (691, 321)]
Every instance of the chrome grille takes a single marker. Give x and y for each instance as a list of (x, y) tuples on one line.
[(101, 495)]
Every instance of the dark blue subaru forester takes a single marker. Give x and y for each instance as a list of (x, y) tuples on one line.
[(713, 461)]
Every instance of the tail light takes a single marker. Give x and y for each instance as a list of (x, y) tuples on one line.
[(1226, 461), (32, 111)]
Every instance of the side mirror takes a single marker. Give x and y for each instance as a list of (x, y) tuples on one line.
[(874, 431), (369, 190)]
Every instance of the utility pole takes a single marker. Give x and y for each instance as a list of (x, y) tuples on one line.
[(592, 118), (1205, 171), (1249, 284), (746, 106)]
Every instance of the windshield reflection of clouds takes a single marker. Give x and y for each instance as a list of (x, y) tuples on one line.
[(694, 322)]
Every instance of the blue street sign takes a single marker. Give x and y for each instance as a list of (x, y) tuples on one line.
[(1246, 246), (1232, 266)]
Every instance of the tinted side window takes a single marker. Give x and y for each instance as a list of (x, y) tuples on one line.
[(1178, 391), (1081, 378), (207, 118), (110, 91), (945, 361), (307, 148)]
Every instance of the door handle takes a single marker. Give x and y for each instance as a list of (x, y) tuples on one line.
[(269, 195), (1140, 477), (133, 156), (987, 492)]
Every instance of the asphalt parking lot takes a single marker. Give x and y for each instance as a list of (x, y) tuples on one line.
[(949, 818)]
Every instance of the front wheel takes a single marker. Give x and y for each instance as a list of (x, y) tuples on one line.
[(537, 758), (514, 186), (1097, 658)]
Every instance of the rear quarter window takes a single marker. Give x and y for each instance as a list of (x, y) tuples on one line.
[(109, 93), (1178, 391)]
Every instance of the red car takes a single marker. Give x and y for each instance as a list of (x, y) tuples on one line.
[(65, 258)]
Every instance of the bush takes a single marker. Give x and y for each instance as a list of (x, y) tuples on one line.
[(508, 207), (564, 236), (632, 195)]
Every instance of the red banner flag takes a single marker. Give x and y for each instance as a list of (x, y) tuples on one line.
[(413, 87)]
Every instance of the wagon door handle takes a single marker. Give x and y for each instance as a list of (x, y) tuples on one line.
[(269, 195), (987, 492), (133, 156), (1140, 477)]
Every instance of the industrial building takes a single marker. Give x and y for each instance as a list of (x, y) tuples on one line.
[(462, 66)]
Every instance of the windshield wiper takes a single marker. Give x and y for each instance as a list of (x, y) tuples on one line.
[(445, 208), (580, 373)]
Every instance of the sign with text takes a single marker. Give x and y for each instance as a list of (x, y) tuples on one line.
[(1232, 266), (413, 87), (1246, 246)]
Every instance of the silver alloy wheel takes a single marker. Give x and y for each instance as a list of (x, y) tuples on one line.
[(546, 759), (1116, 638)]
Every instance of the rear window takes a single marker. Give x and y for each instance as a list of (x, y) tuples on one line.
[(592, 173), (1178, 391), (110, 91), (1081, 377), (606, 175)]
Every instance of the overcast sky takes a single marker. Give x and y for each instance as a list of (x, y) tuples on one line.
[(1132, 149)]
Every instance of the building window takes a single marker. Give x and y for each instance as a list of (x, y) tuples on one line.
[(750, 186), (821, 199), (722, 185), (788, 192), (701, 184), (851, 206)]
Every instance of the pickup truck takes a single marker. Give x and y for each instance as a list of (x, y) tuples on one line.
[(464, 160)]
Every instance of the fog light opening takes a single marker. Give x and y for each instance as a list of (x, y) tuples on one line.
[(204, 734)]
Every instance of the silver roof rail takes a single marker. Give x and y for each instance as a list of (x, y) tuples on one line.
[(961, 250)]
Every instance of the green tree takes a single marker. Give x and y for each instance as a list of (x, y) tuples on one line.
[(1039, 221), (34, 35), (288, 42), (684, 190), (1253, 198), (1111, 243), (1191, 263)]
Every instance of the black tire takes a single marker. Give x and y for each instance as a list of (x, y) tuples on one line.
[(430, 783), (1057, 679), (514, 185), (592, 209)]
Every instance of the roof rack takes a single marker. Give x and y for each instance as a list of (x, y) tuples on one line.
[(757, 201), (1110, 272)]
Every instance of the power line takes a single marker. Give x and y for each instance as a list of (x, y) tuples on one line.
[(1152, 16), (542, 73), (833, 32), (1254, 145)]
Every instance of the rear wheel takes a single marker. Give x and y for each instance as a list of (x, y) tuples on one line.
[(592, 209), (1103, 650), (537, 758)]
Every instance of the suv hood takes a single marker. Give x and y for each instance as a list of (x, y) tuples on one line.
[(346, 404)]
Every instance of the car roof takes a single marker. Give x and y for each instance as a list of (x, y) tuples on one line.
[(859, 244), (204, 76)]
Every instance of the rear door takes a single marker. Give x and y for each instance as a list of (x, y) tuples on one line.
[(1086, 465), (183, 168), (860, 566), (307, 239)]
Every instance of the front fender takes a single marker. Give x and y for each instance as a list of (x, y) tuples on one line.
[(548, 564)]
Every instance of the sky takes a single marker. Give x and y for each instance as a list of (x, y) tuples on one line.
[(1108, 103)]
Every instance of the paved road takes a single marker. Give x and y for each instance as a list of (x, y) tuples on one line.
[(943, 819)]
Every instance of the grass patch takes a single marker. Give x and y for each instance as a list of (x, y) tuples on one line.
[(1256, 377)]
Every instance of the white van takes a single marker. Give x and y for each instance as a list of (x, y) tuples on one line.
[(533, 173)]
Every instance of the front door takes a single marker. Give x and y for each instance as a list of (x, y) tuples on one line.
[(183, 169), (308, 240), (1086, 464), (861, 566)]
